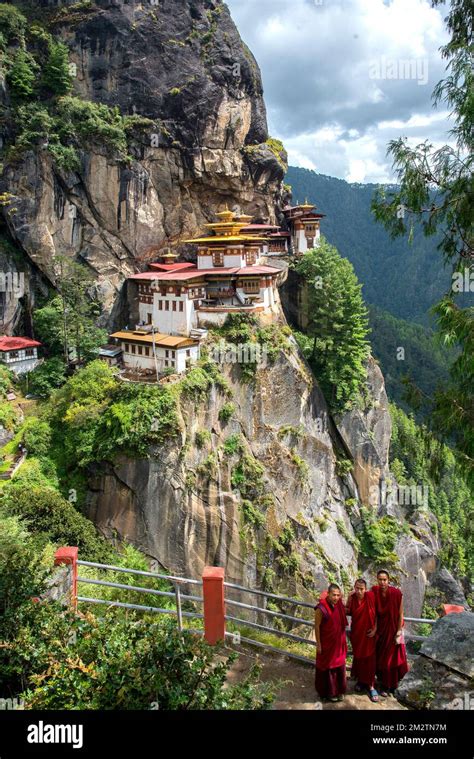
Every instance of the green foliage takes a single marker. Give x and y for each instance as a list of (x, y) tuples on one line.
[(53, 518), (378, 537), (119, 665), (6, 380), (226, 412), (337, 325), (96, 417), (425, 364), (58, 660), (417, 457), (202, 438), (47, 377), (56, 75), (8, 418), (37, 436), (233, 445), (301, 465), (251, 514), (12, 22), (67, 323), (343, 467), (22, 74)]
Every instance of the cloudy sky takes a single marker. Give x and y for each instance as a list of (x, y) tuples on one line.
[(343, 77)]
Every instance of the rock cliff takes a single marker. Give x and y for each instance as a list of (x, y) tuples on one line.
[(184, 67)]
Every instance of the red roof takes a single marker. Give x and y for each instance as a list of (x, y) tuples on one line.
[(260, 226), (172, 267), (280, 234), (195, 273), (17, 343)]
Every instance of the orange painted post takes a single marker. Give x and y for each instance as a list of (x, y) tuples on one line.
[(68, 555), (214, 607), (452, 609)]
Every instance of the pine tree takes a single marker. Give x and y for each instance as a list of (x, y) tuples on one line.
[(57, 76), (22, 75), (337, 324)]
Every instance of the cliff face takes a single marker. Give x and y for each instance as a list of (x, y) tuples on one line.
[(184, 66), (185, 507)]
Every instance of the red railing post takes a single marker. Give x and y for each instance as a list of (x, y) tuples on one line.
[(68, 555), (214, 607)]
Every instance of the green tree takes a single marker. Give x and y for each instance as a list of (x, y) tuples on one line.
[(47, 377), (436, 189), (36, 436), (21, 76), (12, 22), (337, 325), (67, 324), (56, 75)]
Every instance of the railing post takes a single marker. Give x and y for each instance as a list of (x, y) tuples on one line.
[(214, 608), (68, 555), (452, 609)]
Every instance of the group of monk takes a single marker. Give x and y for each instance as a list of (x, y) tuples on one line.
[(376, 637)]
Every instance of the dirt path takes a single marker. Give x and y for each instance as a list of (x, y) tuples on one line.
[(296, 690)]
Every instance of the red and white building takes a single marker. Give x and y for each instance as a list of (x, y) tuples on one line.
[(304, 224), (19, 354), (229, 276)]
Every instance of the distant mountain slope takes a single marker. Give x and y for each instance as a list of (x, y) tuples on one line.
[(404, 279), (424, 360)]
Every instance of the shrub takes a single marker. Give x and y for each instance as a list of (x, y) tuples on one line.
[(226, 412), (36, 436), (49, 514), (7, 416), (202, 437), (48, 376)]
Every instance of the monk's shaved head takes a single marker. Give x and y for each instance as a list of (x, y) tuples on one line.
[(334, 593), (383, 572)]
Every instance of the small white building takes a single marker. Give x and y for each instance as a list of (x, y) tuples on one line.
[(151, 351), (19, 354), (304, 223)]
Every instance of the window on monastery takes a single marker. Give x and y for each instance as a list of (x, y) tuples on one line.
[(174, 305), (149, 318), (167, 305), (166, 363), (140, 350), (173, 353), (147, 351), (188, 353), (29, 352), (134, 348), (181, 305), (167, 353), (160, 305), (13, 354), (127, 349), (218, 258)]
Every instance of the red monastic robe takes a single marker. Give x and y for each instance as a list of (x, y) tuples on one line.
[(392, 662), (363, 648), (331, 662)]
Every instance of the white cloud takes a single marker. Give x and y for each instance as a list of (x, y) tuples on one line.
[(332, 110)]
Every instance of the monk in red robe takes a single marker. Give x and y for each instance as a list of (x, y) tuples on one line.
[(391, 653), (330, 628), (361, 608)]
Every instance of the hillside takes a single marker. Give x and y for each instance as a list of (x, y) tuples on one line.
[(403, 279)]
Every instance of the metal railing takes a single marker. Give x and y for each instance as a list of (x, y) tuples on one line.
[(291, 620), (177, 593)]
